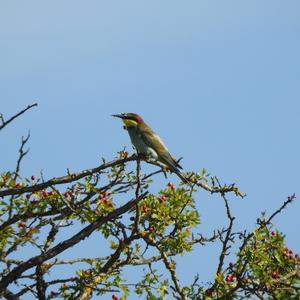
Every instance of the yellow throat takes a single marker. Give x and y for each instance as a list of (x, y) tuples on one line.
[(130, 123)]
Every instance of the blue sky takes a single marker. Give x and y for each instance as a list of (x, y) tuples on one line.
[(219, 81)]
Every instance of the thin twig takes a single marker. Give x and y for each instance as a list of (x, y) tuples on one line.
[(5, 123), (22, 153)]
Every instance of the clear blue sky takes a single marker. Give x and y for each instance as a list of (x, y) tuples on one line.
[(218, 80)]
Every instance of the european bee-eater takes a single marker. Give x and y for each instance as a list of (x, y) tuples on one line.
[(148, 143)]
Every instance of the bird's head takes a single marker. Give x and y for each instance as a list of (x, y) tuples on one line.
[(130, 119)]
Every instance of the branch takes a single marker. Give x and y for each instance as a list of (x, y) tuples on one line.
[(64, 212), (77, 176), (170, 266), (40, 283), (225, 242), (247, 238), (4, 123), (289, 200), (65, 179), (134, 261), (9, 295), (227, 239), (221, 189), (81, 235), (22, 153), (106, 269)]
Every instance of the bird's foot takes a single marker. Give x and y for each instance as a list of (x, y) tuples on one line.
[(142, 156)]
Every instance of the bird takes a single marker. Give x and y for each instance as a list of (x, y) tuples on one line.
[(147, 143)]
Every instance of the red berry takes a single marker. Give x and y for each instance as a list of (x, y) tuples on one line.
[(274, 275), (32, 177), (67, 194), (114, 297), (103, 195), (145, 209), (208, 292), (45, 194), (291, 252), (105, 201), (163, 198), (171, 186), (34, 201), (21, 225), (151, 229), (229, 278), (273, 233)]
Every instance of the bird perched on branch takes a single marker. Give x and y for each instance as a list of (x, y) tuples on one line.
[(148, 143)]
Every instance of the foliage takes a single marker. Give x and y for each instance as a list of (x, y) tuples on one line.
[(49, 217)]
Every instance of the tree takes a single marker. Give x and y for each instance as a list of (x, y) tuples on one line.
[(147, 230)]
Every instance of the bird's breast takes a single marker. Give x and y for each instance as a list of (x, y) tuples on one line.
[(139, 144)]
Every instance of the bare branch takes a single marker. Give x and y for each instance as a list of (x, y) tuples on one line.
[(9, 295), (5, 123), (225, 242), (289, 200), (40, 283), (22, 153)]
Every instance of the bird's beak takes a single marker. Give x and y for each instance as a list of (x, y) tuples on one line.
[(121, 116)]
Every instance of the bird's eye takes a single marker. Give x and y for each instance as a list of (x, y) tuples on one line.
[(124, 127)]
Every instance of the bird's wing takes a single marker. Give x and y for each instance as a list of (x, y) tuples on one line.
[(155, 142)]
